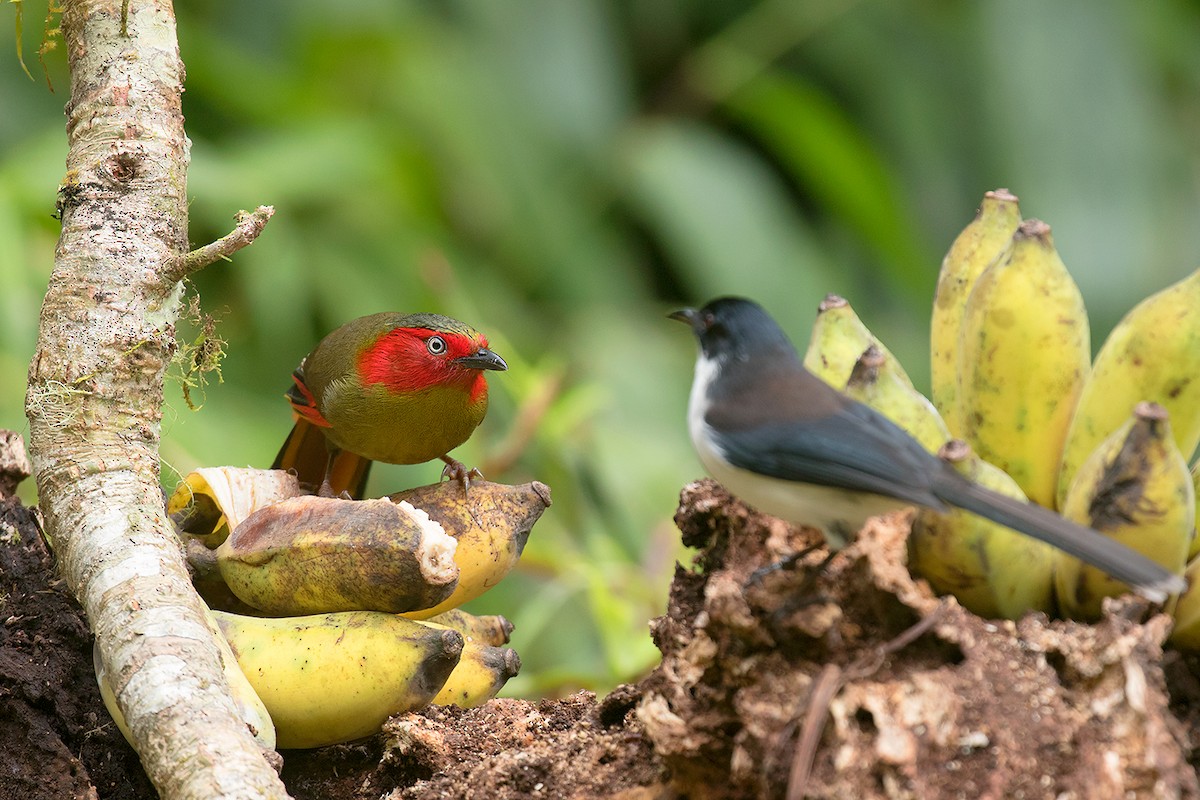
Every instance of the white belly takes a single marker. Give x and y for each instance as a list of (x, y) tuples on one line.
[(839, 513)]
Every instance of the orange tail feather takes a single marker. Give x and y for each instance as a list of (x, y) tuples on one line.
[(306, 453)]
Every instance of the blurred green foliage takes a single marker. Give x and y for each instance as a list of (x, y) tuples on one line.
[(562, 172)]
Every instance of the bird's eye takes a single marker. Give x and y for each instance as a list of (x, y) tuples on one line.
[(436, 345)]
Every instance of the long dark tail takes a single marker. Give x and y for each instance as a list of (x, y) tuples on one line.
[(306, 453), (1145, 577)]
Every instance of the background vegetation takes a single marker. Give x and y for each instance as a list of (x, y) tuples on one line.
[(560, 173)]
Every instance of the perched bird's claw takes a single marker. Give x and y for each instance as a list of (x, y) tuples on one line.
[(457, 471)]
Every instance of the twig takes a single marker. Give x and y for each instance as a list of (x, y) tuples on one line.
[(819, 697), (249, 225)]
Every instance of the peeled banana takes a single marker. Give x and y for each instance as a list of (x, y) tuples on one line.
[(1024, 357), (992, 570), (881, 384), (311, 554), (980, 243), (838, 340), (491, 526), (1153, 354), (249, 706), (1135, 488), (329, 678)]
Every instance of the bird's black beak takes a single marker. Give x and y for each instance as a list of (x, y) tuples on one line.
[(482, 359), (690, 317)]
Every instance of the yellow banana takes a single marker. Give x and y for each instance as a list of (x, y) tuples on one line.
[(491, 525), (492, 629), (1024, 357), (878, 382), (838, 339), (480, 674), (250, 707), (310, 555), (1153, 354), (992, 570), (1186, 633), (329, 678), (1136, 489), (980, 243)]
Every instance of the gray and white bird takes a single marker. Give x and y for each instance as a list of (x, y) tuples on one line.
[(790, 445)]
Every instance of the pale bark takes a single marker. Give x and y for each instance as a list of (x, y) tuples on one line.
[(95, 396)]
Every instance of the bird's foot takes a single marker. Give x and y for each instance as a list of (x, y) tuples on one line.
[(326, 490), (460, 473)]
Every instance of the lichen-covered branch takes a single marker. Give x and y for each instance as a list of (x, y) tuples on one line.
[(95, 395)]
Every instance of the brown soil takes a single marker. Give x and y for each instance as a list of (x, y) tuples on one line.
[(884, 690)]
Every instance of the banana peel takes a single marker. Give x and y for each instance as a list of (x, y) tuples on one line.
[(212, 501)]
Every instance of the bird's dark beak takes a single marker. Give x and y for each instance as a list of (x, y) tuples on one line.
[(482, 359), (690, 317)]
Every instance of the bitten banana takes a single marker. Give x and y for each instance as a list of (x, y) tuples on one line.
[(1024, 357), (491, 526), (1153, 354), (492, 629), (329, 678), (992, 570), (881, 384), (310, 555), (249, 706), (980, 243), (480, 674), (1135, 488), (838, 339)]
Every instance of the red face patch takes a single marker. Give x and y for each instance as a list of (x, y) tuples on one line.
[(412, 359)]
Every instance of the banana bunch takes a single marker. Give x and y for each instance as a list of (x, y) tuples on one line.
[(1136, 488), (349, 609), (1012, 376)]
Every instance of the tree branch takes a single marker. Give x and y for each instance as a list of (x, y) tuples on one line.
[(94, 402), (249, 226)]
